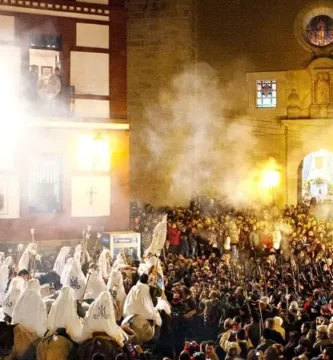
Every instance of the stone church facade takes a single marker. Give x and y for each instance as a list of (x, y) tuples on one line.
[(273, 60)]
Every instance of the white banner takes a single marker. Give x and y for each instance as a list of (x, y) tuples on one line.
[(159, 237)]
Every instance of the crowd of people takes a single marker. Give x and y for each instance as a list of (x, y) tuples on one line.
[(248, 282), (229, 283)]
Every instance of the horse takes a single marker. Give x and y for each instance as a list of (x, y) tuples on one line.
[(57, 346), (101, 346), (25, 344), (144, 329), (6, 338)]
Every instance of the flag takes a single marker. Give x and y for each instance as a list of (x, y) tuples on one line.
[(159, 237)]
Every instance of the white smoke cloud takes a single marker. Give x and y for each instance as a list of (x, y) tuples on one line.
[(192, 146)]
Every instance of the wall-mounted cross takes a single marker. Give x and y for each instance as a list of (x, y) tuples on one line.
[(91, 193)]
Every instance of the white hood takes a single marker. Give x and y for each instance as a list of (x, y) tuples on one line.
[(66, 269), (101, 318), (30, 310), (116, 285), (16, 288), (63, 314), (96, 285), (139, 302), (30, 250), (104, 263), (75, 279), (4, 275), (121, 261), (60, 262)]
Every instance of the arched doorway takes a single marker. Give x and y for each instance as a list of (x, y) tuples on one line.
[(315, 177)]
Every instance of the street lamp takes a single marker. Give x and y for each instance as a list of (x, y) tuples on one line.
[(271, 179)]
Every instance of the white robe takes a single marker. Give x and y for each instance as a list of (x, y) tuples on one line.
[(139, 302), (4, 274), (116, 284), (63, 314), (60, 262), (96, 285), (2, 257), (8, 261), (65, 270), (75, 279), (101, 318), (31, 249), (78, 252), (104, 263), (16, 288), (30, 310), (120, 262)]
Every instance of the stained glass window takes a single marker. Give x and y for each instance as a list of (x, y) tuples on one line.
[(319, 30), (266, 94), (45, 184)]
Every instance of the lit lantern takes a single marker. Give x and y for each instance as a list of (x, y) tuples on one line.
[(270, 178), (94, 152)]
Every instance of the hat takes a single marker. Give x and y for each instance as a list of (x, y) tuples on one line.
[(293, 305), (278, 321), (322, 329)]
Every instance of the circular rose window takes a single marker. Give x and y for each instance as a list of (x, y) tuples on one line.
[(319, 31)]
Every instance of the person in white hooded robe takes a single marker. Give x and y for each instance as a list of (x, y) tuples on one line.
[(16, 288), (121, 262), (81, 255), (4, 275), (29, 253), (30, 310), (8, 261), (65, 270), (116, 286), (139, 302), (95, 284), (101, 318), (75, 279), (104, 263), (60, 262), (2, 257), (63, 314)]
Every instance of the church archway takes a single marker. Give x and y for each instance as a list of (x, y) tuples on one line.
[(315, 177)]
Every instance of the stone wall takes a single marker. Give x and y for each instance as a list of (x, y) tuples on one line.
[(160, 44), (235, 38)]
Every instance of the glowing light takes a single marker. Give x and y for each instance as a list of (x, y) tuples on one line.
[(270, 178), (94, 152)]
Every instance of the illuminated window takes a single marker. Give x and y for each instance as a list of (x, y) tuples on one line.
[(320, 30), (93, 153), (45, 184), (266, 94)]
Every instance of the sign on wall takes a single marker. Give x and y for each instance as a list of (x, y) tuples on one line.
[(129, 241), (91, 196)]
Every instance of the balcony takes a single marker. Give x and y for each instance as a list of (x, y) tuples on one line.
[(59, 106)]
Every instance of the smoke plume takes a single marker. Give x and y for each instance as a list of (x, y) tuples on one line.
[(193, 146)]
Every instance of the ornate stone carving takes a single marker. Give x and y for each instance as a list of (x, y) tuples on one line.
[(293, 109), (322, 89), (322, 85)]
